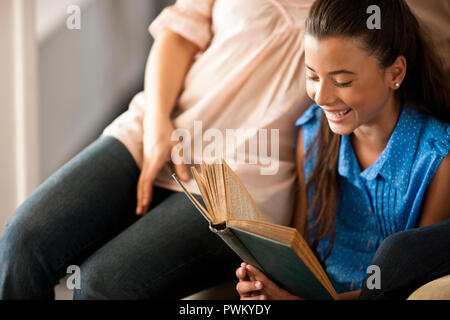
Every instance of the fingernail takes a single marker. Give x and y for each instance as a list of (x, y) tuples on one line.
[(241, 272), (258, 284), (262, 298)]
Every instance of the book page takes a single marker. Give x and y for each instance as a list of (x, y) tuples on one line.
[(221, 195), (196, 203), (201, 186), (210, 189), (239, 201)]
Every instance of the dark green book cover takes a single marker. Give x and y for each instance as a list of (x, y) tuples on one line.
[(282, 265), (277, 260)]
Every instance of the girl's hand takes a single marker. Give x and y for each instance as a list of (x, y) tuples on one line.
[(157, 147), (254, 285)]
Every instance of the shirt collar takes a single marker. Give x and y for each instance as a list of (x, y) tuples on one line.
[(395, 162), (348, 166)]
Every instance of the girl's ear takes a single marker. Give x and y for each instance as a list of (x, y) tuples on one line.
[(396, 72)]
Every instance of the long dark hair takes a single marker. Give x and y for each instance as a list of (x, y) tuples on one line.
[(425, 85)]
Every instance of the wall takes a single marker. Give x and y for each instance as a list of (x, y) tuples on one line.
[(7, 145), (59, 88), (87, 77), (18, 106)]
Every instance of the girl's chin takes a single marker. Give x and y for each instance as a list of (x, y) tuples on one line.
[(340, 129), (341, 124)]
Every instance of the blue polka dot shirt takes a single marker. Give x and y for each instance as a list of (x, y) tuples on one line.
[(382, 199)]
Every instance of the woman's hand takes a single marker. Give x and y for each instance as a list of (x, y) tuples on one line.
[(254, 285), (169, 60), (157, 147)]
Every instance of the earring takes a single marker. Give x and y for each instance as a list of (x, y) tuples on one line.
[(397, 84)]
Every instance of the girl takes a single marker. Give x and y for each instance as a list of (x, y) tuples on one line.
[(372, 151)]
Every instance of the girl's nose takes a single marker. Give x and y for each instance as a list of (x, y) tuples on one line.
[(324, 95)]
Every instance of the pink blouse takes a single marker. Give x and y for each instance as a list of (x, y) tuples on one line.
[(249, 75)]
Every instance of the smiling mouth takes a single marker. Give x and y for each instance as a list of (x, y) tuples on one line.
[(337, 115)]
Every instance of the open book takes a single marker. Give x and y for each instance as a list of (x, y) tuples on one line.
[(279, 251)]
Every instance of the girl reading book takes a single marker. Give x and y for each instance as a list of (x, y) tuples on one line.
[(372, 151)]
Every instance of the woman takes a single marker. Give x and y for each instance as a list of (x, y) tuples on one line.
[(373, 150), (227, 63)]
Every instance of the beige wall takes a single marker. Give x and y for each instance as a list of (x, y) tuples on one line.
[(18, 102), (59, 88), (7, 163), (88, 76)]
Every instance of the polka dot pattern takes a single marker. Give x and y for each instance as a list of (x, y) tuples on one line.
[(383, 199)]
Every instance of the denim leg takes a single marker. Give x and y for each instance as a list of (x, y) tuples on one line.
[(409, 259), (169, 253), (75, 211)]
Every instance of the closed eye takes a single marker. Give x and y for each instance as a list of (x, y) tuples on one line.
[(312, 78), (343, 84), (336, 83)]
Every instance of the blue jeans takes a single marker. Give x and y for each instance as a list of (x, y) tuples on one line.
[(84, 215), (410, 259)]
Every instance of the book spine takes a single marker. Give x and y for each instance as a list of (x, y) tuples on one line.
[(236, 245)]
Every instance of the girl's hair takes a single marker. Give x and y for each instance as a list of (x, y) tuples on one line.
[(425, 85)]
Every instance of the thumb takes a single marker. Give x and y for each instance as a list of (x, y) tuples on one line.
[(182, 171)]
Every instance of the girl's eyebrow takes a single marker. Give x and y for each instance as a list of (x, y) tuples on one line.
[(332, 73)]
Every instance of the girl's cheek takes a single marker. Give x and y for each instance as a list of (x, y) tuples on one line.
[(351, 97)]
